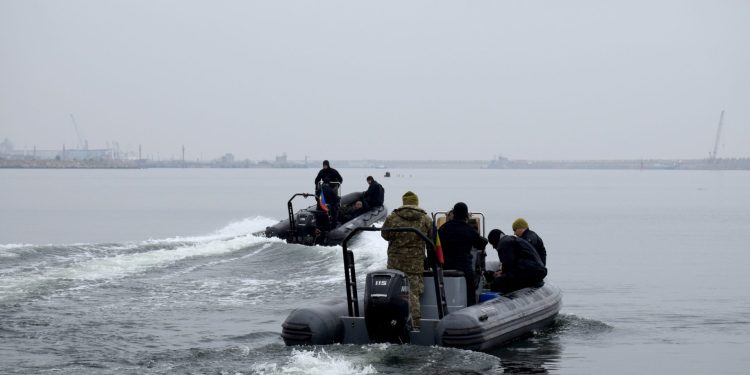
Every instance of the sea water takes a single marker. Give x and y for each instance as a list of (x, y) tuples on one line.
[(157, 271)]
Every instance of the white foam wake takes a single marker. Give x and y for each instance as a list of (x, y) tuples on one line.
[(103, 266), (314, 362)]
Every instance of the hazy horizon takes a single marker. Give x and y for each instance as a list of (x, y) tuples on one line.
[(340, 80)]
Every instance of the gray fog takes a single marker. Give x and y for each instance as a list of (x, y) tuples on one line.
[(378, 80)]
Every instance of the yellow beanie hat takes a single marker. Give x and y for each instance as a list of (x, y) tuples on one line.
[(520, 223), (410, 198)]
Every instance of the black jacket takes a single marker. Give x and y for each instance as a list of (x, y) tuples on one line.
[(331, 197), (457, 238), (374, 196), (536, 241), (328, 173), (519, 259)]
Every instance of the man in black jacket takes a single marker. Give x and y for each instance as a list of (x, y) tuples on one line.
[(521, 229), (457, 238), (520, 264), (329, 173), (329, 197), (374, 196)]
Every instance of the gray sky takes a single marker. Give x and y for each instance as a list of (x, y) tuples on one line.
[(379, 80)]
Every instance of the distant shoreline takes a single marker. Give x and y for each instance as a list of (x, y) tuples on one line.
[(500, 163)]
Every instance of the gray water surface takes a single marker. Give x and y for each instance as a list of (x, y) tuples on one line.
[(155, 271)]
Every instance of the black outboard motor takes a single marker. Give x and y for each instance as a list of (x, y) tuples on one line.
[(387, 311), (304, 226)]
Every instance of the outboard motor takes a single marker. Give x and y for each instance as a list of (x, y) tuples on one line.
[(305, 225), (387, 310)]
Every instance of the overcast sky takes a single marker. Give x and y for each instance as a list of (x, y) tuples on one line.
[(354, 80)]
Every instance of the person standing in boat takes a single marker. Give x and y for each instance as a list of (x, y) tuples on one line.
[(457, 238), (406, 251), (521, 229), (520, 265), (334, 177), (329, 201)]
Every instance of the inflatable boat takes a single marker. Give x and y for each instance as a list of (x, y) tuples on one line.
[(446, 319), (312, 225)]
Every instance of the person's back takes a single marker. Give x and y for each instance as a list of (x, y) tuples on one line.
[(521, 265), (521, 229), (531, 237), (457, 239), (406, 251)]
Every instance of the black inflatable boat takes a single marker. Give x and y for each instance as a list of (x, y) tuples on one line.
[(446, 321), (312, 225)]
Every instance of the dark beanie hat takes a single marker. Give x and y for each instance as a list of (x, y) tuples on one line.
[(494, 237), (325, 162), (460, 211)]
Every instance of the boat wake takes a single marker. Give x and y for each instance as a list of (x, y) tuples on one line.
[(35, 270)]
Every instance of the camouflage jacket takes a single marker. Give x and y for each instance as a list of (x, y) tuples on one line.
[(407, 248)]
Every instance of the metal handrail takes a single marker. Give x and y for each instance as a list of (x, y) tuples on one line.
[(350, 276)]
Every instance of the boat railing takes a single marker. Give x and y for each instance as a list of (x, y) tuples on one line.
[(292, 235), (350, 274)]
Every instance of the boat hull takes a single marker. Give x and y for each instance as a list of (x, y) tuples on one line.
[(480, 327), (305, 223)]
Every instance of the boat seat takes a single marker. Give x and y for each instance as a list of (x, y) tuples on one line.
[(455, 293)]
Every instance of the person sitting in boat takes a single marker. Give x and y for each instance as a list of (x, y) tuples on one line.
[(333, 176), (406, 251), (520, 265), (457, 238), (374, 196), (521, 229)]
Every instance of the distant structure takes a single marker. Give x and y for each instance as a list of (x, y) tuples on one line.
[(81, 144), (712, 155)]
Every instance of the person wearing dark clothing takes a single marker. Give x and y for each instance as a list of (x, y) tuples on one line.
[(332, 200), (327, 172), (521, 266), (521, 229), (457, 239), (374, 196)]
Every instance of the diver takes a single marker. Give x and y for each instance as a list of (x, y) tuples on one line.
[(329, 201), (334, 177), (520, 265), (457, 238), (521, 229), (374, 196)]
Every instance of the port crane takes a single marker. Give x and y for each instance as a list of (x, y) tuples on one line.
[(712, 155), (81, 144)]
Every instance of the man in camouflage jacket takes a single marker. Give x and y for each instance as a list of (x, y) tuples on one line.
[(406, 251)]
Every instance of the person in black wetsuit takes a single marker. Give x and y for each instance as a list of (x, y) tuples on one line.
[(521, 229), (521, 266), (330, 196), (457, 238), (333, 176), (374, 196)]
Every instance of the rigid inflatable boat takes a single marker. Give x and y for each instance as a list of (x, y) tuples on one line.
[(311, 225), (446, 320)]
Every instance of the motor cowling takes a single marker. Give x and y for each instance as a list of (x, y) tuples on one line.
[(306, 222), (387, 310)]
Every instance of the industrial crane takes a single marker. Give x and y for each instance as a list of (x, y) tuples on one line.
[(712, 156)]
